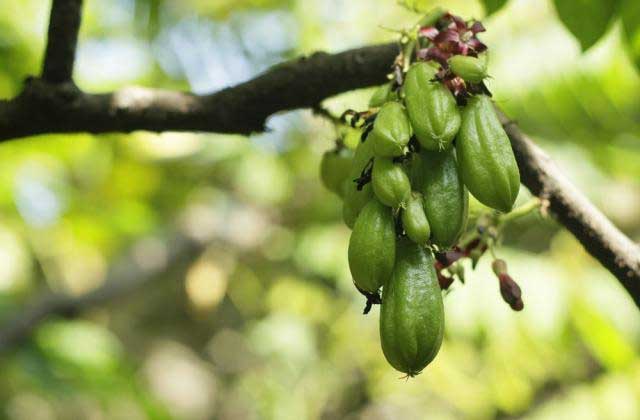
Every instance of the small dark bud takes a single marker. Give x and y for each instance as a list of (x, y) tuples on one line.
[(511, 292), (445, 281), (449, 257), (472, 245)]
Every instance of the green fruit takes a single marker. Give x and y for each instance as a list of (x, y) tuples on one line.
[(412, 312), (446, 200), (431, 107), (414, 220), (372, 247), (382, 95), (414, 169), (390, 183), (471, 69), (354, 199), (334, 169), (391, 130), (487, 164)]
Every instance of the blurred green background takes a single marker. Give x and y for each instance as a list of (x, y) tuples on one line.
[(265, 323)]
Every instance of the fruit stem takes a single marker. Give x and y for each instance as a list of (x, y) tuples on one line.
[(522, 211)]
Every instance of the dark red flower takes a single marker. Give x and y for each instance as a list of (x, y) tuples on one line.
[(451, 36)]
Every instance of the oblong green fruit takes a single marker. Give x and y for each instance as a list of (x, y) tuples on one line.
[(414, 220), (414, 169), (487, 164), (471, 69), (412, 312), (390, 183), (334, 169), (432, 109), (354, 199), (383, 95), (372, 247), (446, 200), (391, 130)]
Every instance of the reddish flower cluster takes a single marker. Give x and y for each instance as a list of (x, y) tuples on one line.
[(509, 289), (450, 36), (444, 260)]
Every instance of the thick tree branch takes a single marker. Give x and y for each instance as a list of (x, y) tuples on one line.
[(303, 83), (243, 109), (62, 39)]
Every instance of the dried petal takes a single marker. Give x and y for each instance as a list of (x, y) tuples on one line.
[(445, 281), (477, 27), (476, 45), (429, 32)]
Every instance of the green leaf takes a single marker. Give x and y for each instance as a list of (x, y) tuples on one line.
[(418, 6), (631, 23), (492, 6), (587, 20)]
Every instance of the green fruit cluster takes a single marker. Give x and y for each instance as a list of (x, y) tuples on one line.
[(405, 192)]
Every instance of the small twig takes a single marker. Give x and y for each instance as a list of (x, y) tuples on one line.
[(64, 24), (321, 111), (126, 276)]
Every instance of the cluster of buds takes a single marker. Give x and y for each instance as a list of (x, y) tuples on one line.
[(450, 261), (509, 289), (448, 265)]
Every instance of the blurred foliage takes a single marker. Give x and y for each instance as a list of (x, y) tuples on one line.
[(265, 323)]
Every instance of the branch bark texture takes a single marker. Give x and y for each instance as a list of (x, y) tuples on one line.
[(44, 107)]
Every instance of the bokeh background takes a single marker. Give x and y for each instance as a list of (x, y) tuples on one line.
[(264, 323)]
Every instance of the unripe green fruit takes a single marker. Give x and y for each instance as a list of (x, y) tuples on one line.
[(390, 183), (446, 200), (487, 164), (414, 220), (412, 312), (354, 199), (382, 95), (334, 169), (372, 247), (391, 130), (471, 69), (432, 109)]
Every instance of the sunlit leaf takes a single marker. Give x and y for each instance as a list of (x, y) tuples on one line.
[(630, 14), (587, 20), (492, 6), (419, 6), (81, 344), (609, 346)]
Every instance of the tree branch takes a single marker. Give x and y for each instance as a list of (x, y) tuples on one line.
[(126, 276), (303, 83), (615, 251), (62, 38)]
